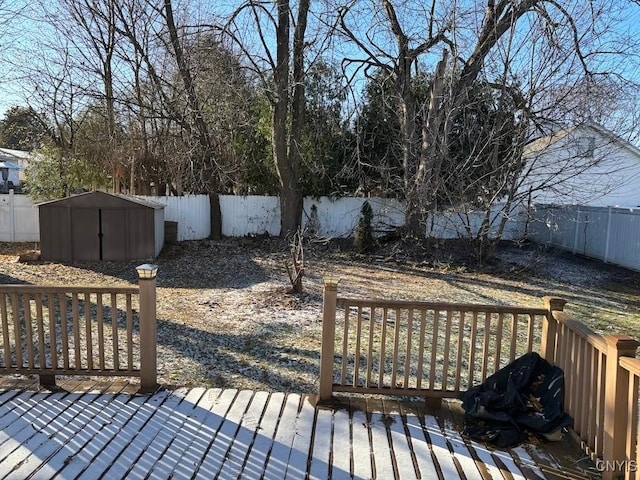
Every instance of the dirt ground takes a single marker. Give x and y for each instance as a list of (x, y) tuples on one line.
[(225, 317)]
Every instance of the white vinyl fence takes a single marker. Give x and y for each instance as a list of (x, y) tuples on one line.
[(328, 217), (192, 212), (609, 234), (18, 219), (457, 224), (241, 216)]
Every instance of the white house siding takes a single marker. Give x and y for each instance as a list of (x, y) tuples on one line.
[(18, 219), (611, 177)]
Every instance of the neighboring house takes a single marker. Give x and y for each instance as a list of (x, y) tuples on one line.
[(10, 177), (19, 161), (583, 165)]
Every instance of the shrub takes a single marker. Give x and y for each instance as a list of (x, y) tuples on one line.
[(363, 240)]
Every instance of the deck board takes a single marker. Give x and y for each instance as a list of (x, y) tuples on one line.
[(261, 446), (360, 442), (303, 432), (380, 446), (341, 447), (279, 456), (222, 433), (102, 433)]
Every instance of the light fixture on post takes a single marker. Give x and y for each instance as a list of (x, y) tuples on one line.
[(331, 282), (147, 271)]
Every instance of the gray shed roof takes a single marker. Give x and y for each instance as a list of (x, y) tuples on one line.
[(87, 199)]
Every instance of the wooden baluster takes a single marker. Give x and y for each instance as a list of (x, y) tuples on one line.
[(461, 336), (396, 347), (383, 347), (26, 304), (423, 325), (52, 331), (434, 350), (75, 317), (129, 334), (345, 346), (407, 360), (485, 345), (88, 330), (6, 337), (356, 357), (114, 332), (514, 337), (372, 325), (472, 349), (445, 360), (100, 320), (17, 329)]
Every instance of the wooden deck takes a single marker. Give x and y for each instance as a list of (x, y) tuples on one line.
[(88, 430)]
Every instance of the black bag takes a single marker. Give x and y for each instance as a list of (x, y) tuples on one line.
[(526, 394)]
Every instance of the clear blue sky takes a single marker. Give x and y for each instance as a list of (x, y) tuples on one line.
[(16, 34)]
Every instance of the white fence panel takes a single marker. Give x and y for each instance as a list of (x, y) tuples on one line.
[(455, 224), (591, 232), (609, 234), (553, 226), (192, 212), (18, 219), (339, 217), (334, 217), (249, 215), (624, 238)]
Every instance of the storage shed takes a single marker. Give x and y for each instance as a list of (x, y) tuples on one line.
[(101, 226)]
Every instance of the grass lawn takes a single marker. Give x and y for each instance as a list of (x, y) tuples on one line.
[(226, 317)]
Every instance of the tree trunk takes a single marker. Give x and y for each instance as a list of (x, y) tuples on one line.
[(215, 217), (286, 143)]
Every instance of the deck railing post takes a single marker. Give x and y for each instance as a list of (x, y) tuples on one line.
[(550, 328), (329, 302), (616, 416), (148, 328)]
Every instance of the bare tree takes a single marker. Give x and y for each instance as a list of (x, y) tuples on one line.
[(283, 66), (501, 49)]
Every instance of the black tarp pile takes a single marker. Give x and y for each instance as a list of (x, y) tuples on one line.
[(526, 395)]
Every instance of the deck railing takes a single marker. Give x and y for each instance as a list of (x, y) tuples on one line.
[(438, 350), (79, 330), (433, 350), (602, 377)]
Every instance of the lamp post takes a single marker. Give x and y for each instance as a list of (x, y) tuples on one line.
[(148, 329)]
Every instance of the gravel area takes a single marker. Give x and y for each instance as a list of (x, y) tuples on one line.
[(226, 318)]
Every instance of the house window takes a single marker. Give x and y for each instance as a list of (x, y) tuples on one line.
[(585, 146)]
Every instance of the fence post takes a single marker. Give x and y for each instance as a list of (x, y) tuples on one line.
[(616, 418), (329, 302), (148, 328), (12, 221), (550, 328)]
